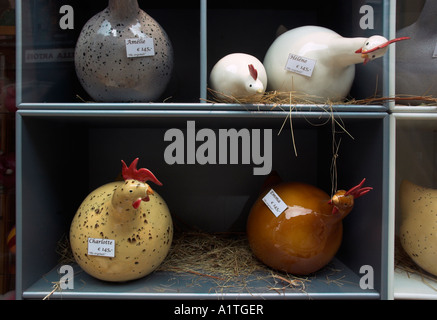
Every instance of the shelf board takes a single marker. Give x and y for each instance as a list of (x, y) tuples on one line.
[(413, 286), (202, 106), (414, 109), (167, 117), (335, 281)]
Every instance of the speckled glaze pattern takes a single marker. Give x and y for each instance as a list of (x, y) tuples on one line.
[(417, 231), (101, 61), (143, 236)]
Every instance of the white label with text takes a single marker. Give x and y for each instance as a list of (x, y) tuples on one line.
[(276, 205), (140, 47), (300, 65), (101, 247)]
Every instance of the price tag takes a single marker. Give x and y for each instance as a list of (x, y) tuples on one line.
[(101, 247), (276, 205), (300, 65), (140, 47)]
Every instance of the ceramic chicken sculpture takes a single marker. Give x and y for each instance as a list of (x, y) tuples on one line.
[(238, 75), (318, 62), (418, 223), (122, 230), (306, 233)]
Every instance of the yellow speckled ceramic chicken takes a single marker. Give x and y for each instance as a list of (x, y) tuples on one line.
[(122, 230), (418, 227)]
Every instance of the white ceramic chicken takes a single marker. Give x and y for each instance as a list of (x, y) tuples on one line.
[(238, 75), (327, 58)]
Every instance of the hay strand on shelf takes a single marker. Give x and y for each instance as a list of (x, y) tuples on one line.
[(268, 98), (298, 98), (227, 260), (217, 255)]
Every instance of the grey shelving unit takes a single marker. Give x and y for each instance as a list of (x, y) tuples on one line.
[(66, 147), (412, 157)]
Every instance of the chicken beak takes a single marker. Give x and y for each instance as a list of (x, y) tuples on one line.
[(149, 191), (137, 202), (365, 57), (365, 53)]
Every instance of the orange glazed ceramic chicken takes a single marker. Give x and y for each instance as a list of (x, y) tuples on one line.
[(307, 234)]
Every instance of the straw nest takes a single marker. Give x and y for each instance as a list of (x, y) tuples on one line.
[(223, 260), (277, 98), (298, 98), (227, 260), (215, 255)]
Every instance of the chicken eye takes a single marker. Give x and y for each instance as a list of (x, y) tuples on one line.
[(250, 85)]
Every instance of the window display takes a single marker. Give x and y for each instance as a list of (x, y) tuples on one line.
[(213, 154)]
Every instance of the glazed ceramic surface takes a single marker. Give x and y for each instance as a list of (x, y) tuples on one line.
[(416, 64), (307, 234), (132, 216), (301, 240), (418, 230), (238, 75), (322, 62), (103, 66)]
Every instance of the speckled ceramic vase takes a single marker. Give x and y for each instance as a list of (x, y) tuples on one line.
[(101, 57)]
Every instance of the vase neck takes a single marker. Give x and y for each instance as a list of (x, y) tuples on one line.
[(123, 8)]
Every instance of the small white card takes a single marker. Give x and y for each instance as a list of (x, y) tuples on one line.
[(300, 65), (101, 247), (140, 47), (276, 205), (434, 55)]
